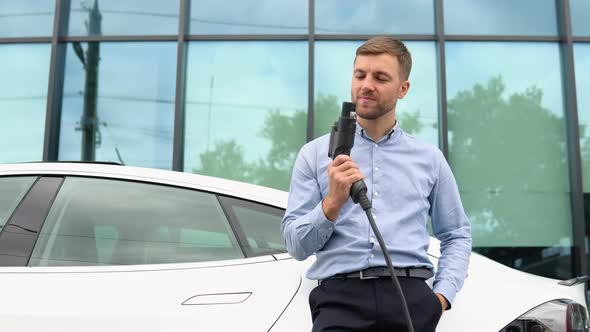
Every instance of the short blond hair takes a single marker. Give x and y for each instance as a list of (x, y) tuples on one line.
[(391, 46)]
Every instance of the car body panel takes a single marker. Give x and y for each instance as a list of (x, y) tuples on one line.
[(150, 297)]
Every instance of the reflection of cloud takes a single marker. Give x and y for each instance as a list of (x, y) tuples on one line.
[(521, 65), (500, 17), (26, 18), (374, 16)]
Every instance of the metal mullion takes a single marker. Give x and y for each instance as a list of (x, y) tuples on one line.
[(179, 99), (25, 40), (56, 81), (246, 37), (503, 38), (573, 139), (128, 38), (356, 37), (581, 39), (311, 72), (443, 133)]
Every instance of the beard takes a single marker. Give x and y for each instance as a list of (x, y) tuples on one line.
[(374, 111)]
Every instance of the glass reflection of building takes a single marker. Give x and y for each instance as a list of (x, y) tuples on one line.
[(235, 88)]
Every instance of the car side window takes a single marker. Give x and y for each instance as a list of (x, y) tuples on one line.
[(12, 191), (112, 222), (259, 224)]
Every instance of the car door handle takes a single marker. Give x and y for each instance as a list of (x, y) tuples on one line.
[(218, 298)]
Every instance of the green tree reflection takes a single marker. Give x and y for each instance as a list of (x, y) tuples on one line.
[(510, 159)]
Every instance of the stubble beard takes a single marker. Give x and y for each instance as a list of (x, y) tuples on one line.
[(375, 112)]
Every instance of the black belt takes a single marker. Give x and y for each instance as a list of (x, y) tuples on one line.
[(383, 271)]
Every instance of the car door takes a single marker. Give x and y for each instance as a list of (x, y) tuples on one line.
[(120, 255)]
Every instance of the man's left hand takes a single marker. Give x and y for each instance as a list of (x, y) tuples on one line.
[(443, 301)]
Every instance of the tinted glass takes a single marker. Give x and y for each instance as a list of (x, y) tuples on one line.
[(108, 222), (246, 110), (507, 150), (125, 101), (24, 75), (12, 190), (582, 65), (374, 17), (29, 18), (417, 113), (500, 17), (260, 224), (249, 17), (129, 17), (580, 9)]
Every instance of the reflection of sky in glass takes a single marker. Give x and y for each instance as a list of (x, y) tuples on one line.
[(510, 163), (582, 63), (334, 62), (500, 17), (23, 101), (129, 17), (579, 12), (522, 64), (249, 17), (136, 93), (374, 16), (233, 86), (26, 18)]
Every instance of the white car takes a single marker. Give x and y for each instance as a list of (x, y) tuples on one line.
[(91, 247)]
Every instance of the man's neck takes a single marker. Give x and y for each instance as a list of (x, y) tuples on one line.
[(377, 128)]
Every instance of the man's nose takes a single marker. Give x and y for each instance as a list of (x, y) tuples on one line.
[(368, 84)]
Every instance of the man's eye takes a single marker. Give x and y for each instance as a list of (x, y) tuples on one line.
[(381, 78)]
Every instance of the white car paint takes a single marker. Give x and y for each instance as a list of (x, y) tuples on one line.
[(253, 292)]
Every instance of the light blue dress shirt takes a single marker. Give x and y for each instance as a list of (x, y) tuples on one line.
[(407, 181)]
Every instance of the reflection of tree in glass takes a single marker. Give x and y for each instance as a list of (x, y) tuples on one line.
[(286, 134), (509, 156)]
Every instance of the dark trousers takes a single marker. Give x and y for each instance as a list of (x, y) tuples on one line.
[(372, 305)]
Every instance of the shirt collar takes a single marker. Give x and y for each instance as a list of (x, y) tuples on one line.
[(393, 133)]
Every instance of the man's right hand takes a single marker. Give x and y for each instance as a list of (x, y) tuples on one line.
[(342, 173)]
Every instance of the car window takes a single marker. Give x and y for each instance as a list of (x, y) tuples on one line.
[(259, 224), (12, 190), (110, 222)]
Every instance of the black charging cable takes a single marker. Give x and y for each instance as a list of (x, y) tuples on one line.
[(341, 142)]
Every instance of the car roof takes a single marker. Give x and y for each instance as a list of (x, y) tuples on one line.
[(242, 190)]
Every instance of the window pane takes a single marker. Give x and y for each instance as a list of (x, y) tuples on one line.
[(249, 17), (246, 110), (26, 18), (23, 100), (417, 112), (500, 17), (129, 17), (129, 92), (12, 190), (579, 12), (374, 17), (507, 149), (261, 225), (582, 64), (108, 222)]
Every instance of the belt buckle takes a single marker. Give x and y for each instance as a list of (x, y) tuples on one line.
[(362, 276)]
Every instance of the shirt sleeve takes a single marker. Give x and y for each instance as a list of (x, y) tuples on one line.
[(451, 226), (305, 227)]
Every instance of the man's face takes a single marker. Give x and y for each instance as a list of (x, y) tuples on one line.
[(376, 85)]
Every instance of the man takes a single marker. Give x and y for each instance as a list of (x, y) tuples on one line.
[(407, 181)]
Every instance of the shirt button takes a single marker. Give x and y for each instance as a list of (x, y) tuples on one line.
[(372, 256), (376, 169), (376, 193), (372, 240)]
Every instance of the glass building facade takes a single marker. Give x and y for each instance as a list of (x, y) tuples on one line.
[(235, 88)]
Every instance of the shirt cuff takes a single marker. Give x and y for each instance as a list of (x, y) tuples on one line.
[(446, 289)]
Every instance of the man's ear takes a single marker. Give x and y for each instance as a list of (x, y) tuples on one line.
[(403, 89)]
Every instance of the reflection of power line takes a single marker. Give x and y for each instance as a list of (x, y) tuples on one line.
[(26, 14), (20, 98), (258, 107)]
